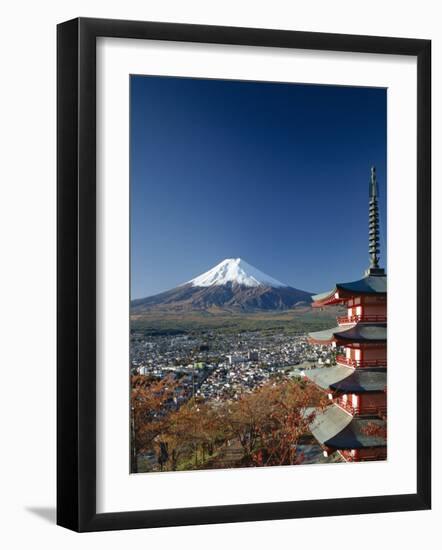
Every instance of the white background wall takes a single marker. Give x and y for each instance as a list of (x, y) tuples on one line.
[(27, 251)]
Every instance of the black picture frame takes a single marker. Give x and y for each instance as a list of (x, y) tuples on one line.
[(76, 274)]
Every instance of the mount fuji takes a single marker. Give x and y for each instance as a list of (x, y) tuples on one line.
[(232, 284)]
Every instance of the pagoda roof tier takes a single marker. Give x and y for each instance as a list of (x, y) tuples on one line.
[(349, 380), (368, 285), (359, 332), (335, 428)]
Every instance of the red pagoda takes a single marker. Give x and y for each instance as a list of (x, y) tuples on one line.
[(354, 424)]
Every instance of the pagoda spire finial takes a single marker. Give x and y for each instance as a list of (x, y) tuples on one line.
[(373, 183), (373, 229)]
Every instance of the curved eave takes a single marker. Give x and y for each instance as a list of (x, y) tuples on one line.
[(325, 336), (369, 285), (343, 379), (334, 428), (326, 299), (323, 377), (364, 380), (367, 333), (313, 340)]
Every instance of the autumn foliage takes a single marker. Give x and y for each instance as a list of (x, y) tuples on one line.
[(265, 424), (271, 421)]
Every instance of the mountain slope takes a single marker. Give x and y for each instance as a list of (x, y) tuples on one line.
[(232, 284)]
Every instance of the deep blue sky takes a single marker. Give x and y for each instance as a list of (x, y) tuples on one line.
[(276, 174)]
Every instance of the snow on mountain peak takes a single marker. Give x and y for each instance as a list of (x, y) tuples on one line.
[(235, 270)]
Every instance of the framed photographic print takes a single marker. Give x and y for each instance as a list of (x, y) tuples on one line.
[(230, 201)]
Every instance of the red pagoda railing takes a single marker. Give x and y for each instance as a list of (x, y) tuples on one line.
[(375, 410), (346, 320), (342, 360), (364, 458)]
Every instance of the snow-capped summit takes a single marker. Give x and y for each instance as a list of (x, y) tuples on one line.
[(235, 271)]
